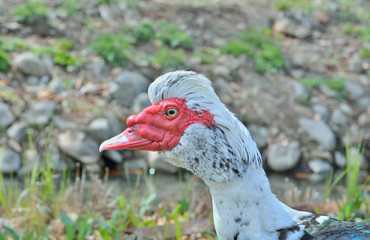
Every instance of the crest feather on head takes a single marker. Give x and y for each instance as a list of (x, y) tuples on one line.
[(199, 94)]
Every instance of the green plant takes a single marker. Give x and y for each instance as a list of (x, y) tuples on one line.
[(283, 5), (114, 49), (29, 12), (363, 33), (169, 59), (13, 44), (80, 229), (355, 203), (260, 46), (208, 55), (60, 52), (365, 53), (171, 36), (4, 61), (71, 7), (144, 31), (335, 84)]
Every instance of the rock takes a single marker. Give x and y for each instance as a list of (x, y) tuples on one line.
[(127, 86), (323, 155), (340, 159), (114, 124), (222, 87), (29, 64), (99, 69), (355, 155), (355, 90), (63, 124), (32, 80), (140, 102), (109, 12), (364, 103), (355, 64), (30, 161), (17, 131), (135, 164), (92, 168), (157, 162), (319, 165), (75, 146), (300, 94), (322, 111), (56, 162), (7, 116), (283, 158), (328, 91), (288, 27), (114, 156), (320, 131), (364, 120), (338, 118), (221, 70), (98, 130), (6, 223), (259, 135), (346, 109), (40, 113), (10, 161)]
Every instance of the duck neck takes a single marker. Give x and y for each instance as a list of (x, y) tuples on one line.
[(245, 208)]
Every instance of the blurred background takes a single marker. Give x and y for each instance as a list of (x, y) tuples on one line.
[(297, 74)]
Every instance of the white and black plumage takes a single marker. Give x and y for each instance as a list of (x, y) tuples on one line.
[(193, 129)]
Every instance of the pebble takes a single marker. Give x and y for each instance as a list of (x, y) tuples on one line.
[(340, 159), (320, 131), (98, 130), (63, 124), (127, 86), (364, 103), (115, 124), (30, 64), (338, 119), (10, 161), (17, 131), (84, 150), (364, 120), (283, 158), (56, 161), (300, 92), (140, 102), (30, 161), (346, 109), (321, 154), (319, 165), (322, 111), (259, 134), (135, 164), (6, 114), (355, 64), (113, 155), (40, 113), (355, 90)]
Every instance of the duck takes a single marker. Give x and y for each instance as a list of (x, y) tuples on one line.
[(189, 125)]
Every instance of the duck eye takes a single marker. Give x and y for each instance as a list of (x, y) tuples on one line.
[(172, 112)]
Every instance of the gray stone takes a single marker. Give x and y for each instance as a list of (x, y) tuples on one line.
[(98, 68), (322, 111), (364, 103), (115, 124), (31, 160), (135, 164), (109, 12), (56, 162), (355, 90), (346, 109), (10, 161), (157, 162), (259, 134), (340, 159), (40, 113), (356, 156), (7, 116), (29, 64), (17, 131), (84, 150), (98, 130), (127, 86), (63, 124), (319, 165), (92, 168), (300, 92), (114, 156), (140, 102), (338, 118), (32, 80), (320, 154), (328, 91), (286, 26), (355, 64), (364, 120), (221, 70), (283, 158), (320, 131)]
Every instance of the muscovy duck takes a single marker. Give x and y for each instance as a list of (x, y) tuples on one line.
[(193, 129)]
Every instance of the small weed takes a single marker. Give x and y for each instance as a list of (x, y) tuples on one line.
[(114, 49), (171, 36), (13, 45), (4, 61), (208, 55), (169, 59), (283, 5), (355, 203), (144, 31), (29, 12), (363, 33), (336, 85), (71, 7), (260, 46), (365, 53)]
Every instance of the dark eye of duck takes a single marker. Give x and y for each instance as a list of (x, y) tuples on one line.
[(171, 112)]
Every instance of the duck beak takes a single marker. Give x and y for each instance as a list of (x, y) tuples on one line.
[(129, 139)]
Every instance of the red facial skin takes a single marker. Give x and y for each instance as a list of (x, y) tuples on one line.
[(153, 130)]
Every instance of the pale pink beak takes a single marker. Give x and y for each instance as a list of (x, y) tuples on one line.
[(129, 139)]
